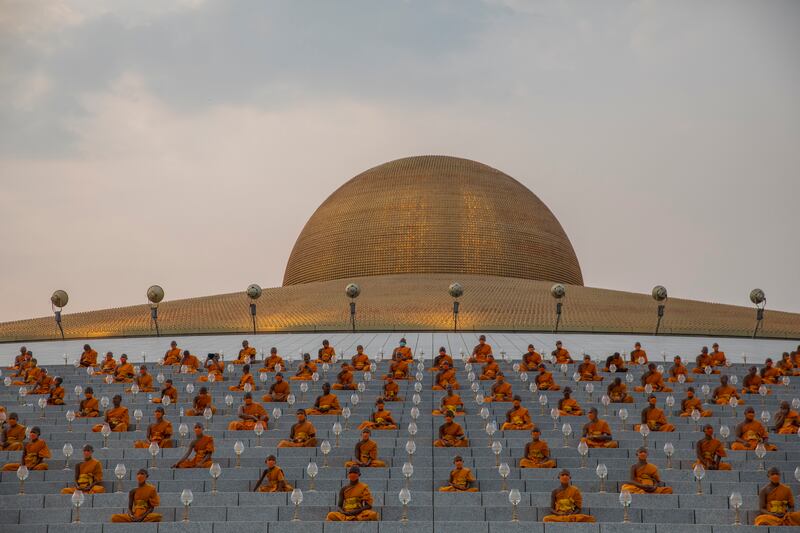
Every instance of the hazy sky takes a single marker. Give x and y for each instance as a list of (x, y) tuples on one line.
[(187, 143)]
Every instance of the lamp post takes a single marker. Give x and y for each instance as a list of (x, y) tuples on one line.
[(186, 499), (153, 449), (215, 470), (154, 295), (297, 499), (22, 475), (352, 291), (736, 502), (659, 295), (669, 450), (325, 448), (77, 501), (67, 450), (70, 417), (408, 471), (759, 299), (625, 500), (602, 473), (514, 497), (699, 472), (405, 499), (558, 291), (238, 448), (312, 469), (456, 291), (58, 301), (254, 293), (504, 470)]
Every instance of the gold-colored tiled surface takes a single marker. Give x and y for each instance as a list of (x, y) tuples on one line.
[(415, 302), (433, 214)]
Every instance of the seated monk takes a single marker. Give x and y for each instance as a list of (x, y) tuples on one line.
[(326, 403), (402, 352), (776, 503), (588, 370), (566, 502), (13, 435), (450, 403), (481, 351), (653, 378), (275, 478), (125, 372), (786, 365), (678, 369), (399, 369), (271, 362), (723, 394), (246, 354), (24, 364), (440, 359), (500, 391), (380, 419), (203, 448), (18, 360), (116, 417), (490, 369), (751, 433), (568, 406), (544, 379), (173, 355), (561, 355), (451, 434), (250, 413), (704, 360), (787, 421), (530, 360), (597, 433), (654, 417), (518, 417), (717, 357), (645, 478), (537, 452), (159, 432), (391, 390), (89, 406), (43, 384), (461, 478), (189, 363), (638, 356), (360, 361), (245, 379), (344, 379), (279, 391), (306, 369), (446, 377), (88, 357), (366, 452), (326, 354), (618, 392), (34, 452), (88, 474), (144, 380), (617, 361), (770, 374), (108, 366), (692, 403), (169, 391), (752, 382), (215, 369), (796, 357), (56, 393), (142, 502), (710, 451), (200, 403), (30, 374), (302, 434), (354, 502)]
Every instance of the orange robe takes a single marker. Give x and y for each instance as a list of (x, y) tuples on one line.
[(203, 448), (271, 362), (677, 370), (351, 498), (145, 383), (562, 356), (124, 373), (460, 481), (545, 381), (390, 392), (754, 433), (275, 481), (480, 352), (490, 371), (619, 394), (144, 498), (452, 404), (569, 407), (366, 454), (158, 432), (451, 436), (325, 355), (278, 392), (56, 396), (302, 435), (569, 503), (344, 381), (89, 474), (501, 392), (34, 455), (709, 450), (690, 404), (646, 474), (441, 360), (89, 358), (326, 404), (201, 401), (537, 455), (379, 420), (13, 438), (254, 409), (517, 419), (636, 354), (402, 353), (588, 372), (116, 418), (723, 395), (790, 424), (172, 357), (598, 428), (361, 362), (305, 371), (245, 354), (779, 501), (399, 369), (244, 380), (446, 378), (88, 408), (655, 380), (530, 361), (656, 420)]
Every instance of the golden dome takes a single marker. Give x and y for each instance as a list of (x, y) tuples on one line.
[(432, 214)]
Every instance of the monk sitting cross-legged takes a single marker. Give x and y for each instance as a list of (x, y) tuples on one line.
[(752, 382), (88, 474), (43, 383), (679, 369), (144, 381), (246, 354), (645, 478), (537, 452), (566, 502), (169, 391), (326, 353), (440, 359), (653, 378), (13, 435), (88, 357), (142, 501), (108, 366), (461, 478), (173, 355), (561, 355), (568, 406), (366, 452), (399, 369), (279, 391), (402, 352), (692, 403), (306, 369), (391, 390), (274, 476), (446, 377), (615, 360), (481, 351), (770, 374), (451, 434), (200, 403), (34, 452), (245, 379), (214, 368), (29, 375), (125, 372), (776, 503), (354, 502), (302, 435), (490, 369), (588, 370), (326, 404), (250, 414), (751, 433), (116, 417), (450, 402), (56, 392), (544, 379), (618, 392), (530, 360), (344, 379), (704, 360), (159, 432), (271, 362), (597, 433), (501, 390), (380, 419), (518, 417), (710, 451), (360, 361), (638, 356), (189, 363), (723, 394), (203, 448), (89, 406), (654, 417), (787, 421)]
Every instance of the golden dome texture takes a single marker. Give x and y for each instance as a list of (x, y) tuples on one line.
[(432, 215)]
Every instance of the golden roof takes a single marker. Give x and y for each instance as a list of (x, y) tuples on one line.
[(433, 214)]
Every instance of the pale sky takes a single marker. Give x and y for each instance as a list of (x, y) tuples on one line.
[(186, 143)]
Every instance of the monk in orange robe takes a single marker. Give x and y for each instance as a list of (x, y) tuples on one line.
[(326, 353), (34, 452), (399, 369), (344, 379), (88, 474), (451, 434), (245, 379), (490, 369), (500, 391), (189, 363), (717, 356), (116, 417), (440, 359), (279, 391), (710, 451), (787, 420), (776, 503), (109, 365), (446, 377), (481, 351), (360, 361), (518, 417), (272, 361), (246, 354), (56, 392), (144, 380), (391, 390), (366, 452), (751, 433), (597, 433), (326, 403), (88, 357), (89, 406), (250, 414), (215, 369), (770, 374), (678, 369), (380, 419), (588, 370), (450, 403), (173, 355), (43, 384), (703, 360), (354, 502), (18, 360), (752, 382), (654, 417), (125, 372), (544, 380), (638, 356), (200, 403), (302, 435), (305, 370), (692, 403), (618, 392), (653, 378), (537, 452), (617, 361), (13, 435), (723, 394), (461, 478), (530, 360), (275, 478), (142, 501), (645, 478), (30, 374), (203, 448), (568, 406), (561, 354), (169, 391), (786, 365), (402, 352), (159, 432), (566, 502)]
